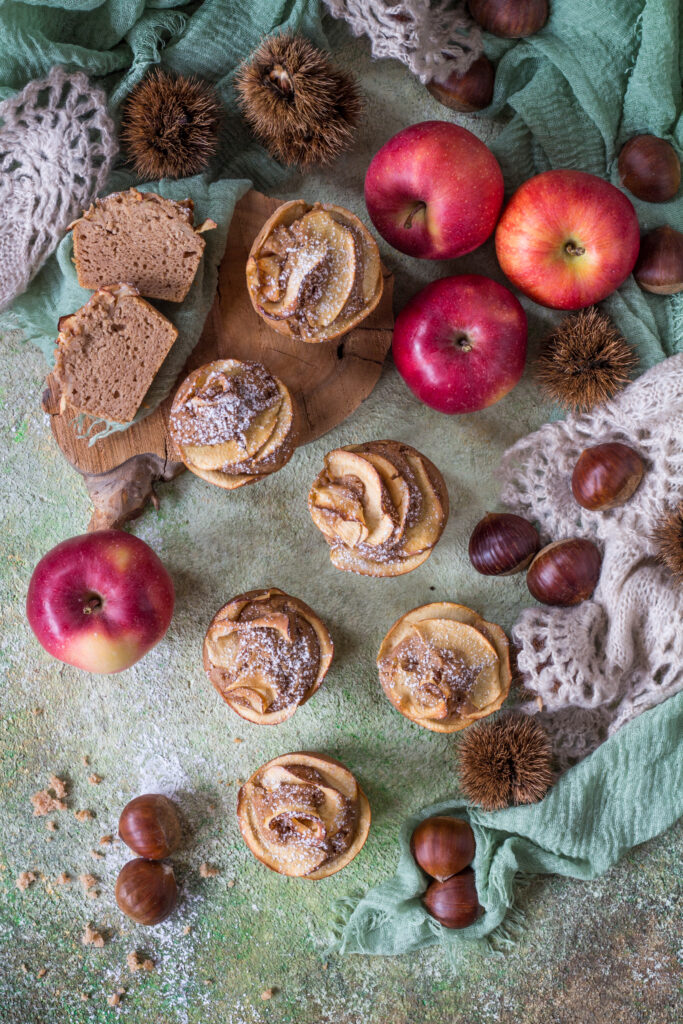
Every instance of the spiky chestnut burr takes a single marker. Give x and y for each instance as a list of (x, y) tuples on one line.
[(505, 761), (302, 108), (668, 537)]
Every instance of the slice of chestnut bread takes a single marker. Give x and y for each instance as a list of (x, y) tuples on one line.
[(141, 238), (108, 353)]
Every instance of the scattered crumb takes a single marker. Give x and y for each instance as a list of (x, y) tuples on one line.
[(44, 803), (208, 870), (24, 968), (36, 711), (84, 815), (267, 993), (91, 937), (58, 786), (231, 883), (239, 782), (88, 882), (25, 879), (187, 929), (106, 840), (63, 879), (86, 760), (92, 894), (51, 826), (136, 963), (96, 855), (114, 999), (94, 779), (42, 972), (48, 839), (85, 996), (238, 739)]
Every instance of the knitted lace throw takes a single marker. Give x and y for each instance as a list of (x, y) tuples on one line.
[(432, 38), (601, 663), (57, 144)]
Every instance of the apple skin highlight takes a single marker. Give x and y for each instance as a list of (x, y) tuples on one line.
[(100, 601)]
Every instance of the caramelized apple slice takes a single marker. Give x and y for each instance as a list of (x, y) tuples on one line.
[(299, 265), (319, 228), (378, 510)]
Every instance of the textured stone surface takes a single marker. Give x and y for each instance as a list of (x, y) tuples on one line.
[(608, 951)]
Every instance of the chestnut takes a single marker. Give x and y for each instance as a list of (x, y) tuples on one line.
[(606, 475), (502, 544), (650, 169), (442, 846), (146, 890), (511, 19), (565, 572), (149, 825), (659, 267), (471, 90), (454, 903)]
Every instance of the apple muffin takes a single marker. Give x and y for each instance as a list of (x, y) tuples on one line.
[(443, 666), (314, 272), (381, 506), (303, 815), (267, 653), (233, 423)]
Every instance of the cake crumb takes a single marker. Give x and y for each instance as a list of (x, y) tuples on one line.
[(51, 826), (267, 994), (231, 883), (63, 879), (88, 882), (91, 937), (36, 711), (24, 968), (238, 739), (106, 840), (85, 760), (114, 999), (42, 972), (208, 870), (187, 929), (58, 786), (136, 963), (84, 815), (85, 996), (44, 803), (25, 879), (96, 855), (94, 779)]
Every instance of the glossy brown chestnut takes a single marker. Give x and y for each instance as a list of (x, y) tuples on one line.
[(606, 476), (502, 544), (146, 890), (659, 267), (565, 572), (149, 826), (650, 169), (511, 19), (442, 846), (454, 903), (471, 90)]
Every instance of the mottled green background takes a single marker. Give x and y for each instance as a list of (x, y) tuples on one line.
[(608, 951)]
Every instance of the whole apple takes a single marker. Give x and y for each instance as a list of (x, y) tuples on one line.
[(567, 239), (460, 343), (100, 601), (434, 190)]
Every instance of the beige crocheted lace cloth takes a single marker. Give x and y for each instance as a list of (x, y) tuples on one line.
[(57, 144), (600, 664), (432, 37)]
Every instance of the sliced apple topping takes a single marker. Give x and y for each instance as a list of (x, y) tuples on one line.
[(381, 507), (303, 815), (443, 666), (314, 272), (267, 653)]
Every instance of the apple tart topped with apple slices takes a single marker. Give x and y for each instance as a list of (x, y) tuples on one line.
[(266, 653), (443, 666), (314, 272), (381, 507), (233, 423), (303, 815)]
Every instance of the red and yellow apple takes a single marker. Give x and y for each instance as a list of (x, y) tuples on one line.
[(434, 191), (100, 601), (567, 239), (460, 343)]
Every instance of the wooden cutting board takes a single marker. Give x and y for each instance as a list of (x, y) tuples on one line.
[(328, 380)]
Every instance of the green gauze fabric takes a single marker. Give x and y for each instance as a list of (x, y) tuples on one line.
[(629, 790), (115, 42), (594, 76), (597, 74)]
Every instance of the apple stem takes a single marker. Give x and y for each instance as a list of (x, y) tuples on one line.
[(573, 249), (418, 208)]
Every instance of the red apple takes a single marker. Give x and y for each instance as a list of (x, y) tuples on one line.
[(567, 239), (100, 601), (434, 190), (460, 343)]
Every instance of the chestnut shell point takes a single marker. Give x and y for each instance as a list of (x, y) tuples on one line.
[(146, 891), (443, 846), (606, 475), (149, 825), (565, 572), (454, 903)]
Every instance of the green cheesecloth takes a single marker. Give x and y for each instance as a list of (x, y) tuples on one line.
[(598, 73)]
